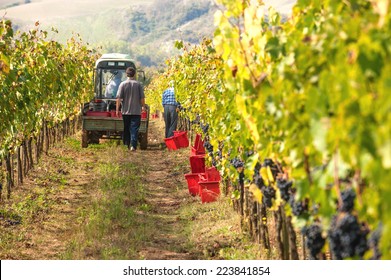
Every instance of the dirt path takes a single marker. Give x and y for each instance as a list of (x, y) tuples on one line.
[(164, 183), (40, 225), (105, 202)]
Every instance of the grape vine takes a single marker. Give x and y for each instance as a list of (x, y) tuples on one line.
[(311, 94), (43, 84), (41, 81)]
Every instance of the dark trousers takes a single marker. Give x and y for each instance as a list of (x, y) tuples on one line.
[(131, 127), (170, 119)]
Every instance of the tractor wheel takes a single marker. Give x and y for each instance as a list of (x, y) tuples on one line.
[(93, 137), (84, 139), (143, 138)]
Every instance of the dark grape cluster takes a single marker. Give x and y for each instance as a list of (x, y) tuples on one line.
[(258, 181), (208, 146), (347, 238), (298, 207), (237, 163), (204, 128), (249, 153), (217, 156), (268, 162), (257, 178), (269, 193), (285, 188), (347, 197), (373, 242), (314, 240)]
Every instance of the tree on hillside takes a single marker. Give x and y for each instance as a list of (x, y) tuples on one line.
[(139, 23)]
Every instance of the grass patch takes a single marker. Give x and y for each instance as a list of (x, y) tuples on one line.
[(34, 203), (214, 228), (111, 227), (31, 204), (18, 216), (74, 143)]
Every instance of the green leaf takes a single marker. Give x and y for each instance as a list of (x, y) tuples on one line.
[(179, 45)]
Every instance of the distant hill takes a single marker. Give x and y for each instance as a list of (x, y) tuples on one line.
[(145, 29), (11, 3)]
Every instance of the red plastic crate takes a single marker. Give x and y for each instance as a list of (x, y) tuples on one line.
[(212, 174), (197, 164), (171, 143), (98, 114), (198, 148), (209, 191), (182, 139), (202, 177), (192, 183), (112, 113)]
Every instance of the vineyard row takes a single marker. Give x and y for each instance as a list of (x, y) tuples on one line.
[(43, 84), (298, 113)]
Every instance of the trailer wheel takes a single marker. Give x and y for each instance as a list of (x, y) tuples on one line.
[(84, 139), (143, 138), (93, 137)]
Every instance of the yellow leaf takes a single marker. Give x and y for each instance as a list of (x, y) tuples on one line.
[(4, 64), (249, 120), (256, 192), (252, 127), (267, 175), (278, 201), (264, 176), (270, 174)]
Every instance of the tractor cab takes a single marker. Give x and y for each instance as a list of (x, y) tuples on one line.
[(109, 73)]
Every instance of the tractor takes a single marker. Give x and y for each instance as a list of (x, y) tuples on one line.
[(99, 120)]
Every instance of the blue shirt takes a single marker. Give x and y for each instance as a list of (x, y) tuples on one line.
[(169, 97)]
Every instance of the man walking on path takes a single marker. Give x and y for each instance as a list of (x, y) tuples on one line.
[(170, 110), (131, 93)]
